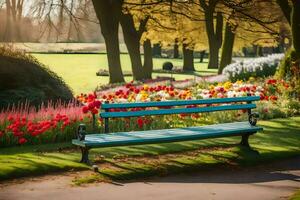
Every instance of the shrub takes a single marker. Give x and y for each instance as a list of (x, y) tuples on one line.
[(256, 67), (289, 69), (24, 79), (168, 66)]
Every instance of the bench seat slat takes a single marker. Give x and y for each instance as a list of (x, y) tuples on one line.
[(176, 111), (181, 102), (167, 135)]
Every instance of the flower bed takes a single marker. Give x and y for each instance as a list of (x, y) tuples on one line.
[(48, 124), (256, 67), (58, 123), (269, 91)]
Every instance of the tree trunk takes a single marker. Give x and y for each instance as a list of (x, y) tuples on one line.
[(108, 13), (113, 57), (132, 41), (148, 61), (7, 34), (202, 54), (214, 37), (213, 62), (188, 58), (227, 49), (156, 51), (70, 23), (295, 22), (286, 9), (259, 51), (176, 49)]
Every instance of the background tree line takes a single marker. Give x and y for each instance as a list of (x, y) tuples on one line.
[(216, 26)]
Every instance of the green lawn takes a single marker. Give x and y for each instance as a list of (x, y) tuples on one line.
[(280, 139), (79, 70), (296, 196)]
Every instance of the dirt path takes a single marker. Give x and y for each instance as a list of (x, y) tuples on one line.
[(274, 181)]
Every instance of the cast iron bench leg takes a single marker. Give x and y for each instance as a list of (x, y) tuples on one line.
[(245, 143), (85, 155)]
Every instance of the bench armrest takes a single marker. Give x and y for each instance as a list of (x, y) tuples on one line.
[(252, 118), (81, 132)]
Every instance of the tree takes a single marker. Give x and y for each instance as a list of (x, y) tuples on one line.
[(188, 58), (108, 13), (134, 22), (148, 60), (214, 30), (132, 40), (227, 49), (295, 24), (245, 27), (14, 12), (176, 49)]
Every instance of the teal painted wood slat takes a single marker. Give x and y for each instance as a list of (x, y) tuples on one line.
[(167, 135), (176, 111), (180, 103)]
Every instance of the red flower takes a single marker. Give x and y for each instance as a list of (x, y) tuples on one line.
[(262, 97), (128, 85), (97, 104), (10, 118), (266, 98), (273, 98), (94, 111), (91, 106), (85, 109), (136, 91), (22, 140), (1, 133), (272, 81), (140, 122)]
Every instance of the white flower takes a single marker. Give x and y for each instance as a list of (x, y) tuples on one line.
[(252, 65)]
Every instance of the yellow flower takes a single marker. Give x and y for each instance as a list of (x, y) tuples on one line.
[(239, 82), (227, 85), (211, 87), (145, 87), (251, 79)]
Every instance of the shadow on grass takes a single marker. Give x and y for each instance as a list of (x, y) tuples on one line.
[(225, 169)]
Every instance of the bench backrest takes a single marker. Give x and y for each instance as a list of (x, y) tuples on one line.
[(222, 105)]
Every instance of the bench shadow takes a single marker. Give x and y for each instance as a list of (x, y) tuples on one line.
[(234, 176)]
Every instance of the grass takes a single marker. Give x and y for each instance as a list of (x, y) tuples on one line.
[(295, 196), (280, 139), (79, 70)]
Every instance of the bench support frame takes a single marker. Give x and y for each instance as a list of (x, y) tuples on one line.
[(245, 140), (245, 143), (85, 155)]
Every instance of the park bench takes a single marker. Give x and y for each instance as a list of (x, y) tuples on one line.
[(245, 129)]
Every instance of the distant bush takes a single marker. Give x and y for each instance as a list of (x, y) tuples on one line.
[(168, 66), (104, 72), (24, 79), (256, 67)]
